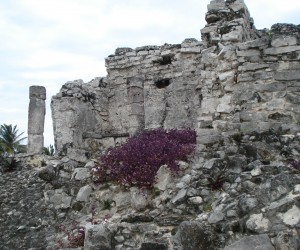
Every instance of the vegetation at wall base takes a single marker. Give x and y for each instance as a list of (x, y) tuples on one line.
[(296, 164), (10, 144), (75, 236), (10, 139), (136, 162), (49, 150)]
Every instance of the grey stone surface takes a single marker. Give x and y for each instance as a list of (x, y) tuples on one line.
[(163, 178), (81, 173), (58, 198), (196, 236), (258, 242), (97, 237), (84, 193), (257, 223), (36, 119), (139, 199), (284, 41)]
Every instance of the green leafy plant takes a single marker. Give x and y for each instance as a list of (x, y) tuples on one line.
[(207, 207), (10, 144), (107, 204), (136, 162), (9, 163), (10, 140), (269, 33), (49, 150), (216, 182)]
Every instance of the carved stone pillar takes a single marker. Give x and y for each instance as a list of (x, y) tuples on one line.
[(36, 119), (135, 92)]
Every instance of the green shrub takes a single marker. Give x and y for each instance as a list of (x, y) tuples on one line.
[(49, 150)]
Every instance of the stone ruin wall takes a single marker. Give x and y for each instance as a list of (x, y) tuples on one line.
[(236, 79)]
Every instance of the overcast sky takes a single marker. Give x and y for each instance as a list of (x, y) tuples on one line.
[(49, 42)]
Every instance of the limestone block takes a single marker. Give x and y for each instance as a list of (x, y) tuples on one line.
[(35, 144), (212, 163), (81, 173), (249, 127), (225, 106), (142, 53), (97, 237), (253, 66), (196, 235), (227, 77), (163, 178), (297, 189), (257, 43), (58, 198), (36, 116), (284, 41), (38, 92), (139, 199), (270, 87), (281, 50), (195, 50), (288, 65), (207, 136), (179, 197), (275, 104), (247, 116), (215, 217), (291, 217), (210, 59), (233, 36), (78, 155), (197, 200), (287, 75), (131, 53), (47, 173), (137, 109), (209, 105), (257, 223), (209, 29), (248, 53), (238, 6), (84, 193), (123, 200), (216, 6), (257, 242)]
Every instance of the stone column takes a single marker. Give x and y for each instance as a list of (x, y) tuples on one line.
[(135, 93), (36, 119)]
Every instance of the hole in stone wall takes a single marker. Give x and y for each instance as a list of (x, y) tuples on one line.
[(160, 84), (165, 60)]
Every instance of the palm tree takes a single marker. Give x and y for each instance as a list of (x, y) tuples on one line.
[(10, 139)]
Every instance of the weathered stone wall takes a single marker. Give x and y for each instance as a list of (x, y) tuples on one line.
[(236, 79), (239, 88)]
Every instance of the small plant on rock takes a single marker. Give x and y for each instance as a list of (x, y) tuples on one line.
[(49, 150), (75, 235), (107, 204), (136, 162), (296, 164), (10, 144)]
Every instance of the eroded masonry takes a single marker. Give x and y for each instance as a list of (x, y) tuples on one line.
[(236, 79)]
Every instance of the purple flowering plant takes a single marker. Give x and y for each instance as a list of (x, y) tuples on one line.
[(136, 162)]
